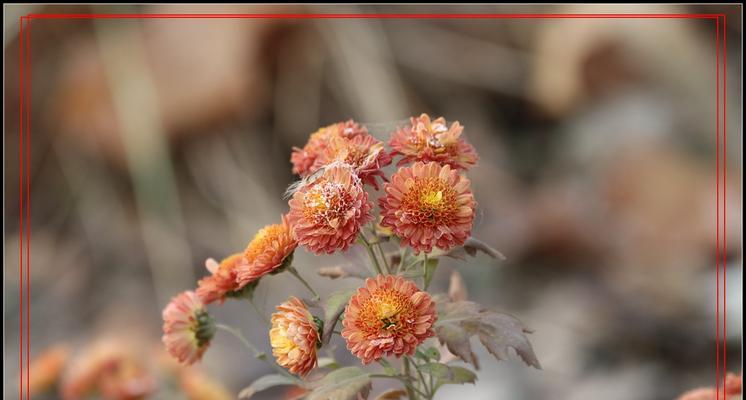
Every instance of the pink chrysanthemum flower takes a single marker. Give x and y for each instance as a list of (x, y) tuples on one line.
[(428, 205), (425, 140), (363, 152), (387, 316), (270, 248), (294, 337), (304, 159), (326, 213), (222, 282), (187, 328)]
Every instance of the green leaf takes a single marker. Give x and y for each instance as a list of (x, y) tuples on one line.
[(430, 266), (430, 354), (264, 383), (327, 362), (387, 368), (446, 374), (460, 320), (342, 384), (333, 309)]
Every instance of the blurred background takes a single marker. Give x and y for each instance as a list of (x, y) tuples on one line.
[(159, 143)]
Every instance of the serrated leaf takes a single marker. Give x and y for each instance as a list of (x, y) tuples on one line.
[(392, 394), (460, 320), (429, 354), (461, 375), (333, 309), (342, 384), (264, 383)]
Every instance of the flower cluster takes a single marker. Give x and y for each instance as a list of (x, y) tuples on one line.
[(425, 204)]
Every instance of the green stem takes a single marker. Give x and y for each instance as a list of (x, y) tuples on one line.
[(303, 281), (384, 258), (405, 372), (258, 311), (372, 255), (402, 258), (422, 377), (257, 354)]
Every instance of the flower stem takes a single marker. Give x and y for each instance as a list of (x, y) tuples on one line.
[(257, 354), (424, 272), (303, 281), (372, 255), (258, 311), (384, 258), (405, 372)]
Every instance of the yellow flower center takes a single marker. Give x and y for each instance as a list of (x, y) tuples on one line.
[(280, 341), (432, 199)]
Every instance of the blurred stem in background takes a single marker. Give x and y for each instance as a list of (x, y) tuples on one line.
[(136, 104)]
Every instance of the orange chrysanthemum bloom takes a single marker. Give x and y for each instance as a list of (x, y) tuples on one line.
[(222, 281), (187, 328), (304, 159), (425, 140), (428, 205), (363, 152), (198, 386), (326, 213), (270, 248), (732, 390), (387, 316), (46, 369), (294, 336), (109, 370)]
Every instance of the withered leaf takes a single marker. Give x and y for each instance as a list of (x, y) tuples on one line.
[(342, 271), (460, 320), (349, 383)]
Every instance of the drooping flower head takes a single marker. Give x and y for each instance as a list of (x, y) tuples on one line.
[(270, 248), (425, 140), (222, 280), (387, 316), (294, 337), (363, 152), (187, 328), (428, 205), (327, 212), (304, 159)]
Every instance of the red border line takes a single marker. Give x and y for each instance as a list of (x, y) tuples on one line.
[(371, 16), (717, 209), (725, 231), (21, 67), (24, 160), (27, 76)]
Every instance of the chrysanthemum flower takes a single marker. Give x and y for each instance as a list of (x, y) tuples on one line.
[(425, 140), (294, 336), (387, 316), (198, 386), (267, 251), (428, 205), (187, 328), (222, 281), (46, 369), (326, 213), (109, 370), (304, 159), (363, 152)]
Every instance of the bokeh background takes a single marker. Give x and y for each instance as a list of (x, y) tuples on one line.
[(159, 143)]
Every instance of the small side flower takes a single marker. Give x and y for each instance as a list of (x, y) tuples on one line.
[(426, 140), (187, 328), (270, 249)]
